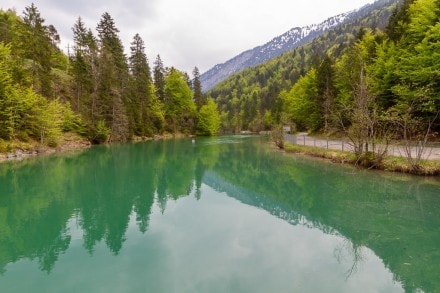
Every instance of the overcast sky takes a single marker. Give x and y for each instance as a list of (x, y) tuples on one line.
[(189, 33)]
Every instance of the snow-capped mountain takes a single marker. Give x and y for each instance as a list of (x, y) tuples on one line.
[(292, 39)]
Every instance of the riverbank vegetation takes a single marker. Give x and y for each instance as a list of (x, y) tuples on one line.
[(371, 84), (373, 80), (398, 164), (94, 90)]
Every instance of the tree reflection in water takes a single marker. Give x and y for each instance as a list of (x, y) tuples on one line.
[(396, 217)]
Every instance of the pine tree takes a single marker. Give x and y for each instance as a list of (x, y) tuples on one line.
[(199, 98), (113, 73), (85, 76), (159, 79), (34, 43), (141, 90), (326, 90), (398, 21), (80, 63)]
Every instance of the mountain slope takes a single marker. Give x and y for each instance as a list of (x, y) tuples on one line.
[(249, 99), (290, 40)]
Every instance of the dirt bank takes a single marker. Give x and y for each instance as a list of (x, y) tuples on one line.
[(69, 142)]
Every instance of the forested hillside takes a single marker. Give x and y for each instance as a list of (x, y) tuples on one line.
[(250, 100), (95, 91), (292, 39), (368, 83)]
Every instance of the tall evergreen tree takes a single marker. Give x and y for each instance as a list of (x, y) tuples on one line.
[(79, 63), (85, 73), (326, 90), (113, 73), (398, 21), (159, 79), (145, 111), (199, 98), (34, 43)]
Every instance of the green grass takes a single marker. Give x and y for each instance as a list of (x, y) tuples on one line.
[(389, 163)]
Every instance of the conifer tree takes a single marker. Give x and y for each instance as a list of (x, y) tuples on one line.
[(85, 74), (326, 90), (80, 63), (113, 72), (398, 21), (34, 43), (199, 99), (159, 79), (145, 111)]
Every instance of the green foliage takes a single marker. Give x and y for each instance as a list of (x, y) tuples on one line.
[(101, 133), (302, 104), (199, 98), (159, 79), (113, 98), (23, 112), (145, 111), (71, 120), (8, 95), (50, 120), (398, 21), (245, 97), (382, 88), (113, 79), (208, 119), (180, 109), (34, 40)]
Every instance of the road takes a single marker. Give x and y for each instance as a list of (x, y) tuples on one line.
[(430, 153)]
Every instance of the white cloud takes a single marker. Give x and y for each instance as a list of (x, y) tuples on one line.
[(193, 32)]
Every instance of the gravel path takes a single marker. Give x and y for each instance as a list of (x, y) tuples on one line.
[(430, 153)]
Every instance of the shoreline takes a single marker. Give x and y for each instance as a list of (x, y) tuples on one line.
[(393, 164), (390, 164), (70, 142)]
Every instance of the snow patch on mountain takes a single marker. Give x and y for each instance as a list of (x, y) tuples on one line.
[(292, 39)]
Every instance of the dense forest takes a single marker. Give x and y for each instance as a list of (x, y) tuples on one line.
[(369, 84), (94, 90)]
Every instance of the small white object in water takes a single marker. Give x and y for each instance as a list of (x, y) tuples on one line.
[(193, 141)]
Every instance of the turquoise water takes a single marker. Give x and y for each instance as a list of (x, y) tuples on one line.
[(225, 214)]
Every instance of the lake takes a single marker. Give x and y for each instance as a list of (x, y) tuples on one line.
[(225, 214)]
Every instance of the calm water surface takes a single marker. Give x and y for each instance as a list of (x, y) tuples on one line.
[(224, 214)]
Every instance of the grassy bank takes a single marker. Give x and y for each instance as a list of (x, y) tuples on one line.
[(389, 163), (18, 149)]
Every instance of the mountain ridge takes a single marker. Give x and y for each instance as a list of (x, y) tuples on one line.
[(287, 41)]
